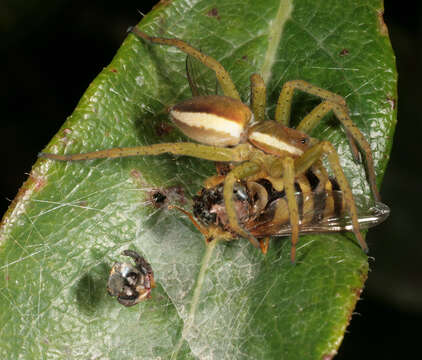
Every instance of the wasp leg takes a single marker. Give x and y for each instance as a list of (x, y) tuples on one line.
[(342, 114), (200, 228), (314, 154), (241, 171), (263, 244), (258, 97), (223, 77), (214, 153), (210, 233)]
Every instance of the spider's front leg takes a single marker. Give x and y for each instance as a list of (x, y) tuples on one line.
[(207, 152), (242, 171), (283, 179), (312, 156), (336, 104), (215, 122)]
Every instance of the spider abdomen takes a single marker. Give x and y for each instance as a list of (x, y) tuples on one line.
[(212, 120)]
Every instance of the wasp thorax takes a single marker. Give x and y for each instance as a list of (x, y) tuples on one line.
[(213, 120), (277, 139)]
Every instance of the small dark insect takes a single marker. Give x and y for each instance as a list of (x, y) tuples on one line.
[(158, 198), (162, 197), (131, 284)]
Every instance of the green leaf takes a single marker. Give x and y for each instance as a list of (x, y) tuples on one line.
[(70, 221)]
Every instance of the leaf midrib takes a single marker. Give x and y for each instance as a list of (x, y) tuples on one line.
[(275, 31)]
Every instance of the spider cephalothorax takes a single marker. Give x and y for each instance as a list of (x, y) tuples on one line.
[(266, 149)]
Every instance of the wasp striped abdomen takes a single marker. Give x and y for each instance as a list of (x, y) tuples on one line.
[(263, 211)]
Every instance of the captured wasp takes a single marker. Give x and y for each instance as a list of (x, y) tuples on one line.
[(264, 212), (227, 130)]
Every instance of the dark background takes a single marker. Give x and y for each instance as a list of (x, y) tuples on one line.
[(51, 51)]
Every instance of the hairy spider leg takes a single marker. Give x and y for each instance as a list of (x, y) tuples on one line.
[(258, 97), (242, 171), (208, 152), (310, 121), (284, 103), (285, 167), (223, 77), (332, 102), (283, 108), (313, 155), (342, 114)]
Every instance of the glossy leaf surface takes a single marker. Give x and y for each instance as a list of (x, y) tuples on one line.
[(70, 221)]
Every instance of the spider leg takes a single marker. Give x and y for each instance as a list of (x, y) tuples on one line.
[(353, 132), (214, 153), (241, 171), (223, 77), (313, 155), (284, 103), (258, 97)]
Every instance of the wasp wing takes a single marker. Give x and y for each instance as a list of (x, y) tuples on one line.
[(319, 212)]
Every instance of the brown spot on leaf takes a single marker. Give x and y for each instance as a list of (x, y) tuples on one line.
[(138, 179), (64, 139), (357, 292), (136, 174), (113, 70), (392, 101), (214, 13), (34, 183), (381, 24), (38, 181), (344, 52)]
